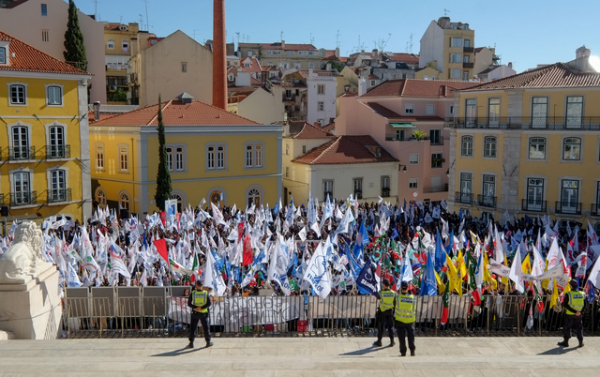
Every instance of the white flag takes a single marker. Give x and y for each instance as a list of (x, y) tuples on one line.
[(212, 278), (278, 267), (594, 274), (516, 274), (317, 274)]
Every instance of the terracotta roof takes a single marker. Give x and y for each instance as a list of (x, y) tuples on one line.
[(328, 128), (417, 88), (288, 46), (254, 65), (14, 4), (393, 116), (346, 150), (255, 82), (373, 77), (303, 130), (557, 75), (403, 57), (30, 59), (177, 114)]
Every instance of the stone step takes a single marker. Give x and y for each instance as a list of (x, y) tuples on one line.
[(6, 335)]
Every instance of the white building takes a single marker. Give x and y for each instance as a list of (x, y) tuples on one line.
[(321, 97)]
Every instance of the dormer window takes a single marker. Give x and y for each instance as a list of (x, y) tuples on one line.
[(2, 55), (123, 28)]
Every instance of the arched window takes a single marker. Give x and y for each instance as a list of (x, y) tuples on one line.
[(215, 197), (101, 197), (124, 201), (466, 146), (179, 199), (254, 197)]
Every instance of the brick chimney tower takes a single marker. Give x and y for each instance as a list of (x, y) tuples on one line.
[(219, 56)]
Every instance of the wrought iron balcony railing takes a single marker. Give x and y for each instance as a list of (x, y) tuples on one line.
[(463, 197), (59, 196), (567, 208), (54, 152), (527, 123), (18, 199), (533, 205), (486, 201), (21, 153)]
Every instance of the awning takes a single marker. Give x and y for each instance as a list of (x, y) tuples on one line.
[(401, 125)]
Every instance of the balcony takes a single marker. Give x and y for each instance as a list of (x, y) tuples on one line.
[(567, 208), (437, 141), (19, 199), (468, 49), (595, 210), (434, 189), (463, 197), (59, 196), (54, 152), (468, 65), (533, 205), (385, 192), (486, 201), (527, 123), (21, 153)]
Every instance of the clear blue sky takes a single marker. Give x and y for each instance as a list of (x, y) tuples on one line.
[(525, 32)]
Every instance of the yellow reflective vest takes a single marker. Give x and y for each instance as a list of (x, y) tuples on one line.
[(199, 299), (406, 308), (387, 300), (575, 301)]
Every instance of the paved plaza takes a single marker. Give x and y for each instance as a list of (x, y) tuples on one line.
[(266, 357)]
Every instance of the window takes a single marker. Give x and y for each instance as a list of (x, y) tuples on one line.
[(100, 157), (372, 83), (2, 55), (435, 137), (470, 112), (596, 208), (400, 135), (250, 53), (535, 194), (110, 44), (179, 159), (569, 196), (179, 199), (456, 58), (22, 188), (311, 65), (298, 65), (215, 157), (169, 158), (430, 109), (286, 65), (254, 198), (45, 36), (466, 59), (123, 155), (539, 111), (44, 10), (413, 183), (287, 172), (320, 106), (210, 157), (124, 201), (184, 67), (327, 190), (455, 73), (54, 95), (489, 147), (537, 148), (249, 156), (258, 155), (494, 111), (220, 157), (409, 109), (466, 187), (437, 160), (125, 45), (20, 141), (56, 149), (571, 148), (287, 149), (413, 158), (304, 149), (451, 109), (467, 43), (466, 146), (101, 197), (18, 95), (358, 188), (320, 89), (574, 111), (289, 53), (488, 190), (385, 186), (58, 187), (465, 75), (456, 42)]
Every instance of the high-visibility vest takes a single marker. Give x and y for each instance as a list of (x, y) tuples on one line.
[(200, 298), (387, 300), (575, 301), (406, 308)]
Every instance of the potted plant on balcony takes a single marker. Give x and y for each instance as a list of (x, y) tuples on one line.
[(437, 161), (419, 135)]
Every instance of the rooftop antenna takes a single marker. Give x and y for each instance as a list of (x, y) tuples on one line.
[(120, 19), (238, 35), (141, 22), (410, 44), (312, 39), (337, 39), (96, 9), (446, 11), (147, 23), (281, 36)]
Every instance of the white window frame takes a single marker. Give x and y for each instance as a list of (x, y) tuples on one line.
[(124, 194), (463, 151), (321, 89), (110, 44), (123, 151), (456, 73), (60, 87), (529, 145), (3, 55), (10, 86), (564, 145), (327, 184), (254, 154), (125, 45), (413, 183), (415, 160), (430, 109), (490, 147), (99, 151), (409, 109)]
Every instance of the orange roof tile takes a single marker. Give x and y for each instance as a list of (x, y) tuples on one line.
[(557, 75), (346, 150), (403, 57), (30, 59), (393, 116), (288, 46), (418, 88), (302, 130), (177, 114)]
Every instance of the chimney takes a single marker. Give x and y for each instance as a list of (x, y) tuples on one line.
[(362, 86), (96, 111), (510, 65), (582, 52), (318, 124), (283, 44), (337, 52), (219, 57)]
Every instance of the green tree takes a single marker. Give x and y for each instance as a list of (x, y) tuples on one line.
[(334, 64), (418, 134), (118, 95), (163, 177), (74, 44)]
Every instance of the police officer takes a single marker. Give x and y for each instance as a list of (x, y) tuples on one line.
[(199, 301), (405, 315), (573, 302), (385, 314)]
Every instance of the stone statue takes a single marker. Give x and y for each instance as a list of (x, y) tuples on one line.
[(23, 260)]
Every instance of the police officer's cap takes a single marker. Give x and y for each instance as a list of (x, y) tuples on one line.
[(404, 285), (386, 282), (573, 284)]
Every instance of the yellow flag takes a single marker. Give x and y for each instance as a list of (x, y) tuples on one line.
[(554, 297), (453, 278), (441, 286), (526, 265), (567, 288), (486, 273), (545, 282), (461, 265)]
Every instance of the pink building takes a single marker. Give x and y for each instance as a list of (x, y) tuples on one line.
[(391, 113)]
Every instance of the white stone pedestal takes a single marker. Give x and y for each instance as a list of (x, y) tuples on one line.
[(32, 310)]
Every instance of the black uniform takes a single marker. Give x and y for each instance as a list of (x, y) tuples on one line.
[(385, 319), (572, 322), (199, 317)]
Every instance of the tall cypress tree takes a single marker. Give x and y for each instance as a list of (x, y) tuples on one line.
[(74, 44), (163, 177)]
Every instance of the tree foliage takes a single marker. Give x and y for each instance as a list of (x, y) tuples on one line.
[(163, 177), (74, 45)]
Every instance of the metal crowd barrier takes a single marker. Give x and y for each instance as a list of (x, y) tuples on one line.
[(163, 311)]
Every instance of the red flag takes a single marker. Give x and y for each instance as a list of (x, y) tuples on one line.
[(247, 251), (161, 247), (178, 216), (163, 218)]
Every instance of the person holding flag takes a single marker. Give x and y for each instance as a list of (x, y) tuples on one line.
[(385, 313), (573, 302), (199, 301), (405, 315)]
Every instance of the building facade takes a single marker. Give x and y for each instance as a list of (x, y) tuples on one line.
[(529, 144), (282, 55), (44, 128), (120, 41), (212, 154)]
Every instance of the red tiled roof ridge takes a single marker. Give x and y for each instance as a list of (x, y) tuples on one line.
[(163, 109), (129, 112), (325, 150), (306, 124)]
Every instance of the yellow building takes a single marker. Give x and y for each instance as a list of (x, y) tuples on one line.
[(450, 46), (119, 42), (44, 168), (529, 144), (212, 154)]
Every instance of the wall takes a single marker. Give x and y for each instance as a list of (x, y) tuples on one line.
[(432, 47), (263, 107), (13, 21), (328, 98)]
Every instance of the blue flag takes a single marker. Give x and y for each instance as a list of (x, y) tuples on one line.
[(355, 266), (395, 234), (429, 282), (440, 253), (366, 282)]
